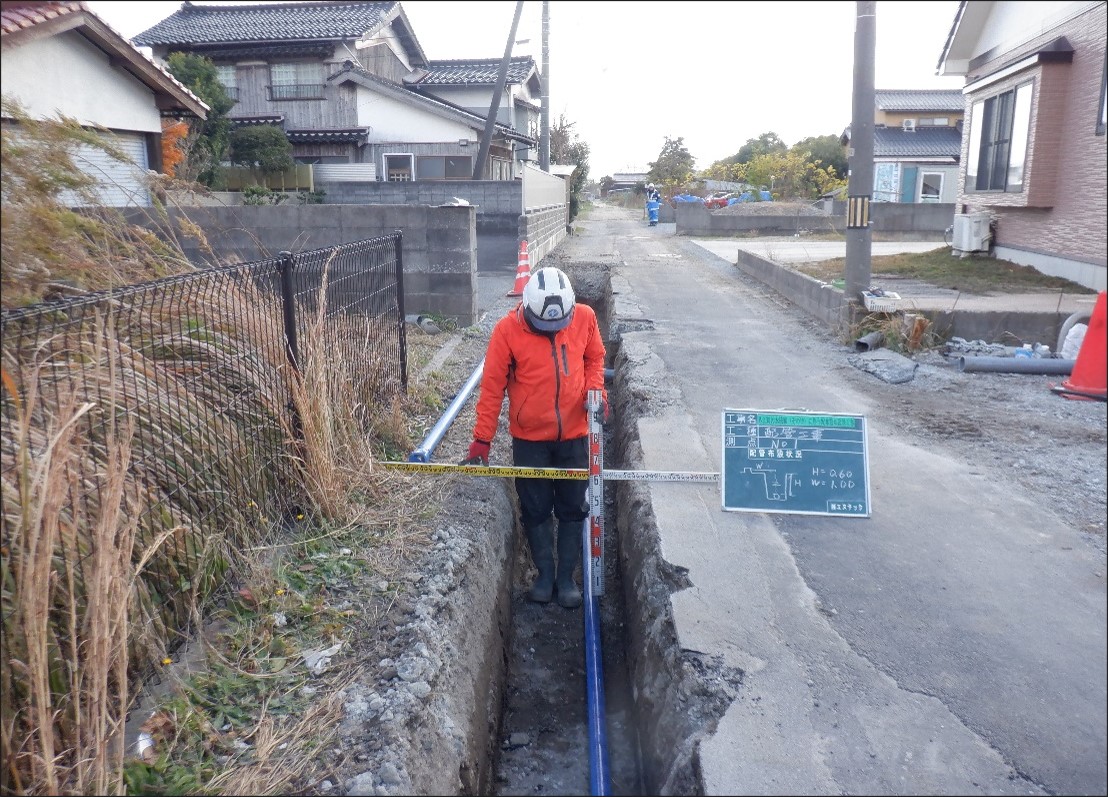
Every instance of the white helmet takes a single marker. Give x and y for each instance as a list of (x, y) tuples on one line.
[(548, 300)]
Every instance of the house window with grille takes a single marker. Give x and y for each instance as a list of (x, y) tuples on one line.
[(999, 128), (444, 167), (225, 73), (398, 168), (296, 82)]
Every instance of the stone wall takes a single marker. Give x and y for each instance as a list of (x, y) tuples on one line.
[(543, 229)]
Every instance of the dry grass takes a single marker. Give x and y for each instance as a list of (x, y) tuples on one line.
[(68, 624), (144, 460)]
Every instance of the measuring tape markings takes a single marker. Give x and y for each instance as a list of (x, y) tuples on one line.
[(509, 471)]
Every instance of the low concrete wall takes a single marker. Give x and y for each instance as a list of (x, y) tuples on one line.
[(907, 220), (825, 303), (439, 243), (543, 229), (820, 300)]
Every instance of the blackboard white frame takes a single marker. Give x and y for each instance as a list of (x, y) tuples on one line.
[(856, 499)]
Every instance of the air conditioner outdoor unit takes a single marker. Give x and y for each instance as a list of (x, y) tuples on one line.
[(971, 232), (908, 125)]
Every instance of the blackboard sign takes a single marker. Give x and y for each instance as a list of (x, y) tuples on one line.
[(803, 463)]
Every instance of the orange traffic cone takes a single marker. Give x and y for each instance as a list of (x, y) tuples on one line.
[(1089, 378), (523, 272)]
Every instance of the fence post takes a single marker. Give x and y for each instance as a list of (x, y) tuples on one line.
[(288, 306), (399, 243)]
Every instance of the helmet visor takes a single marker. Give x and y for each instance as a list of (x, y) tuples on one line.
[(552, 323)]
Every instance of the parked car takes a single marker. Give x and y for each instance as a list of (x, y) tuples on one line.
[(718, 199)]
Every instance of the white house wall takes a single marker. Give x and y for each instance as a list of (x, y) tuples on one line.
[(66, 74), (1011, 24), (476, 100), (392, 120)]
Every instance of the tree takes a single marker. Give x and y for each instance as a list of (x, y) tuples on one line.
[(674, 166), (606, 183), (826, 151), (208, 144), (567, 148), (789, 175), (264, 147), (764, 144)]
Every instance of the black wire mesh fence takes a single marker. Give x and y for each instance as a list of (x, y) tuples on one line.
[(198, 373)]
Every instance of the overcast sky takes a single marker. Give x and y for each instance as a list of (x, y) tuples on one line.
[(713, 73)]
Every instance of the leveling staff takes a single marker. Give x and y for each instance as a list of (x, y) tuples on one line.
[(547, 354)]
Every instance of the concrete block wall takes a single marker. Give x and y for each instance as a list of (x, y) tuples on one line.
[(543, 229), (817, 298), (439, 243), (888, 217), (489, 196)]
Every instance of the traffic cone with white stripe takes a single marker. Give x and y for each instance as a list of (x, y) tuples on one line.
[(1089, 379), (523, 271)]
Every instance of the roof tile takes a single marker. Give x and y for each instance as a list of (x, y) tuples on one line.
[(482, 70), (923, 142), (950, 100), (19, 16), (194, 24)]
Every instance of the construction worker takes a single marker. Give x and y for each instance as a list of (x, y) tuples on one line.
[(546, 354)]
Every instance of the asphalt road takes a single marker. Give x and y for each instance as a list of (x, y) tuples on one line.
[(952, 643)]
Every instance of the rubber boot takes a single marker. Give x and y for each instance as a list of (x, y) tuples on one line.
[(541, 541), (569, 553)]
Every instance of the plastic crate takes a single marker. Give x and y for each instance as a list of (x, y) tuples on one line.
[(885, 302)]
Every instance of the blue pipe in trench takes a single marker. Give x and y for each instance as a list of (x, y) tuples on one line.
[(599, 778)]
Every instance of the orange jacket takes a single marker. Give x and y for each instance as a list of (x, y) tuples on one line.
[(547, 380)]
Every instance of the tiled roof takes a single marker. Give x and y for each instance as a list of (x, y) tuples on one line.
[(484, 70), (195, 24), (340, 136), (18, 16), (949, 100), (352, 71), (923, 142)]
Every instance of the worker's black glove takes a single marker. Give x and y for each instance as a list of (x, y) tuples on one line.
[(605, 410), (478, 453)]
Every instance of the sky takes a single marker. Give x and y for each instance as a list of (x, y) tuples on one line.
[(715, 74)]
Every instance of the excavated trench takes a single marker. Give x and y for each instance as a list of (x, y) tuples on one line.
[(659, 700)]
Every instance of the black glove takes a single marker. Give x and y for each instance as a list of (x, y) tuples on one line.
[(478, 453), (605, 410)]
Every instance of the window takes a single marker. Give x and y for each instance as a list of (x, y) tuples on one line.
[(398, 168), (226, 75), (296, 82), (998, 141), (931, 187), (444, 167)]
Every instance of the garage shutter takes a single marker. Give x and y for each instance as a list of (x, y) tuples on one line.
[(118, 184)]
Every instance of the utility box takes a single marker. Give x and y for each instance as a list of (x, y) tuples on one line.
[(971, 232)]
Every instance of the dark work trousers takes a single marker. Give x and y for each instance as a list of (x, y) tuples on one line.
[(567, 498)]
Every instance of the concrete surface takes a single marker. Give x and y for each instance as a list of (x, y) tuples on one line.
[(951, 643)]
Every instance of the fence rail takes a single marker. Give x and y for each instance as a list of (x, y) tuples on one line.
[(199, 370)]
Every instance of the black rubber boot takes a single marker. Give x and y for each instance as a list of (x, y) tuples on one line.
[(569, 553), (541, 541)]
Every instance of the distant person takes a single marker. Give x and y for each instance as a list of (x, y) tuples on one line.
[(546, 354)]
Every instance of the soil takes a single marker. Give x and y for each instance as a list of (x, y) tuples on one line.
[(427, 712)]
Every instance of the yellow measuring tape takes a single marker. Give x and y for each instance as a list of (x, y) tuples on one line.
[(504, 471), (507, 471)]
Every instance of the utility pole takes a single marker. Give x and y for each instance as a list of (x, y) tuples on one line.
[(859, 238), (497, 92), (544, 130)]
